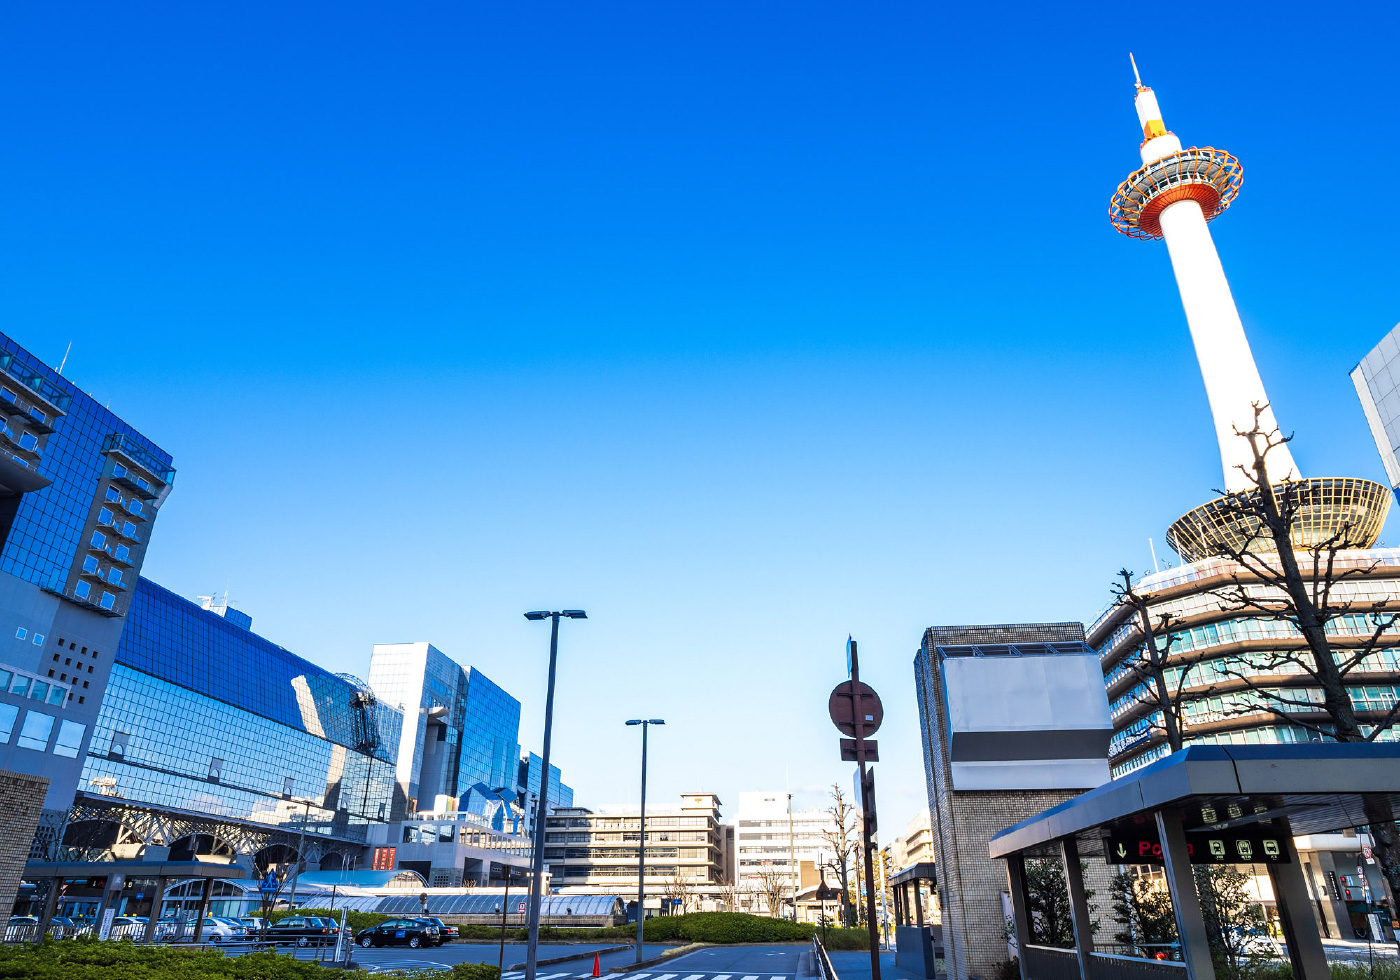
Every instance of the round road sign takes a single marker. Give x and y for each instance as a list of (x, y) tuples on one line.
[(841, 706)]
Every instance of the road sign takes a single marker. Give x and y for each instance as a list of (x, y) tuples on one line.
[(269, 885), (841, 707), (1366, 851), (520, 909), (849, 754), (1140, 845)]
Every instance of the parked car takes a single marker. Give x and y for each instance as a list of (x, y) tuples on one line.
[(304, 930), (446, 932), (406, 932), (240, 931), (24, 920), (256, 925)]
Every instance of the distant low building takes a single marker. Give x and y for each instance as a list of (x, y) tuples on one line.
[(915, 845), (771, 838), (596, 852)]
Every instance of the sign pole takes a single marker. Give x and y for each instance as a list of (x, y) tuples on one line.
[(867, 800)]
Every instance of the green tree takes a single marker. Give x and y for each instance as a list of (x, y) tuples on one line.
[(1047, 904), (1143, 910), (1234, 920)]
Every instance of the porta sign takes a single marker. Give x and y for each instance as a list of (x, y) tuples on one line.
[(1139, 845)]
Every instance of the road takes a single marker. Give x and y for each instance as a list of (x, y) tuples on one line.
[(403, 958)]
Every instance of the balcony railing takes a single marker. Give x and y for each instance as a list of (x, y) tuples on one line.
[(120, 442), (36, 383)]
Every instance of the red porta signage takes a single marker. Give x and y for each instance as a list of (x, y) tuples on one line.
[(385, 858), (1140, 845)]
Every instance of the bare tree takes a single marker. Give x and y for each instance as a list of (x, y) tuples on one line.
[(1163, 686), (1281, 581), (773, 882), (843, 840), (678, 890)]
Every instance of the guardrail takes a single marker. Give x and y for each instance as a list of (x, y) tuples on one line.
[(824, 966)]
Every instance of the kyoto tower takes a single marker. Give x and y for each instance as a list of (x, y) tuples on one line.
[(1173, 196)]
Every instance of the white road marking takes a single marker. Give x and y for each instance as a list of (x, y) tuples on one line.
[(667, 976), (695, 976), (753, 977)]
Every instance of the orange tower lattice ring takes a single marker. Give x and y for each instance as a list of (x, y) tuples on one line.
[(1203, 174)]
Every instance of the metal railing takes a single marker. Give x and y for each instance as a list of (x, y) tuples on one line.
[(824, 967)]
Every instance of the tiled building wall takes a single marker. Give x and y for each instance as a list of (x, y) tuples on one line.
[(21, 800)]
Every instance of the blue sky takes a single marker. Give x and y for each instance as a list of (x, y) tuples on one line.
[(741, 326)]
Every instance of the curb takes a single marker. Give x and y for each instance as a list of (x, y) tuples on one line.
[(669, 954), (572, 956)]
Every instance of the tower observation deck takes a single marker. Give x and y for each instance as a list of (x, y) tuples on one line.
[(1173, 196)]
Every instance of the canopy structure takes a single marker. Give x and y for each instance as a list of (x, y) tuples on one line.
[(1217, 804)]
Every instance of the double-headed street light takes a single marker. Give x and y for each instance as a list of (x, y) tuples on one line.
[(537, 858), (642, 837)]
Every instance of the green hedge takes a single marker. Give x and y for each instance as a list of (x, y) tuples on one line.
[(698, 927), (88, 959)]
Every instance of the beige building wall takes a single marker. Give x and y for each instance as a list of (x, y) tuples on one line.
[(21, 801)]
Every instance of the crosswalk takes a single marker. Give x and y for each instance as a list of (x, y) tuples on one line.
[(518, 974)]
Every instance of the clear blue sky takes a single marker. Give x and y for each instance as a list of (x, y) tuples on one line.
[(741, 326)]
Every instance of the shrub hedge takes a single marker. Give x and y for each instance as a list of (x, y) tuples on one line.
[(88, 959), (697, 927)]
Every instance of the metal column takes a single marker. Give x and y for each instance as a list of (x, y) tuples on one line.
[(157, 900), (1078, 907), (1020, 915), (1186, 904), (1295, 910), (204, 895)]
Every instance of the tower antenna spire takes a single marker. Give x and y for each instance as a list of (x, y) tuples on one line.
[(1136, 77)]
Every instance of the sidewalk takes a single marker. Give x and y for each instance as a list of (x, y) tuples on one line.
[(855, 965)]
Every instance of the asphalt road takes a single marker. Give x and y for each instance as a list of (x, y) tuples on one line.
[(402, 958), (738, 962)]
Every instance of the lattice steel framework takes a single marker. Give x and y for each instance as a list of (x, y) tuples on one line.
[(1203, 174), (122, 824), (1345, 508)]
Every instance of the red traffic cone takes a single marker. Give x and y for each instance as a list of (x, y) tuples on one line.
[(597, 966)]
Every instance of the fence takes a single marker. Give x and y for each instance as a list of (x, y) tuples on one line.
[(1050, 963)]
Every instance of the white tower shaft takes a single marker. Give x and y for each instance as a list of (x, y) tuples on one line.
[(1233, 385)]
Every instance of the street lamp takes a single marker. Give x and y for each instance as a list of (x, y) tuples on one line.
[(537, 859), (642, 837)]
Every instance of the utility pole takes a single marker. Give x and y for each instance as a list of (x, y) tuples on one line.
[(301, 856), (792, 862), (642, 836)]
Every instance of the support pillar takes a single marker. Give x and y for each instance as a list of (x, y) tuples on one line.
[(1020, 914), (157, 900), (1295, 910), (1078, 907), (1186, 904), (918, 903), (204, 894), (46, 914)]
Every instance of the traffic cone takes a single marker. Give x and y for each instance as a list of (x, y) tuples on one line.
[(597, 965)]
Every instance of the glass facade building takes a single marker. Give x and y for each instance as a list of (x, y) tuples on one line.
[(1377, 380), (206, 719), (460, 742)]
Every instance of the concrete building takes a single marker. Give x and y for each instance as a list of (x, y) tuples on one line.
[(770, 837), (79, 494), (1014, 720), (596, 852), (1216, 646), (915, 844), (528, 792)]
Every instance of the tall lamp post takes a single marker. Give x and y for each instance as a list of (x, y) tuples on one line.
[(537, 858), (642, 836)]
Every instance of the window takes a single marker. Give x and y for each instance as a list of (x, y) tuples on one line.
[(39, 691), (21, 686), (8, 714), (117, 747), (216, 769), (57, 696), (8, 395), (128, 530), (135, 506), (70, 739), (99, 540), (89, 564), (37, 415), (115, 576), (35, 733), (67, 661), (82, 590), (38, 639), (107, 600), (5, 678), (123, 553), (104, 516), (21, 633), (114, 495), (28, 441), (287, 784), (118, 470)]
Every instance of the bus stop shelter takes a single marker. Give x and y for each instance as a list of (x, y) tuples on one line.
[(1220, 804)]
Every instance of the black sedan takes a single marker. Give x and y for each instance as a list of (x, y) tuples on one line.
[(304, 930), (406, 932)]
